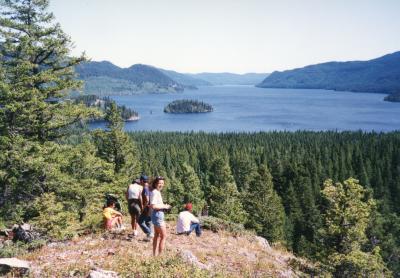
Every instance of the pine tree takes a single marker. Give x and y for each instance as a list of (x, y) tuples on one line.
[(224, 198), (37, 72), (264, 207), (115, 146), (346, 217)]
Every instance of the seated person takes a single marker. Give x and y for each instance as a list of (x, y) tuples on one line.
[(187, 222), (112, 218)]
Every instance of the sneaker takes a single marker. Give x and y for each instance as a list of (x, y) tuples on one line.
[(135, 233), (151, 235), (148, 238)]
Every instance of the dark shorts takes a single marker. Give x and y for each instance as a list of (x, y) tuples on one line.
[(134, 207)]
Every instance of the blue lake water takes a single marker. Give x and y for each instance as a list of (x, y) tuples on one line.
[(246, 108)]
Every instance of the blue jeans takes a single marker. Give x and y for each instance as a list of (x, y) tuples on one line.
[(145, 223), (196, 227)]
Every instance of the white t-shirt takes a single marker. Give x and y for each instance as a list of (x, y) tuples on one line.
[(156, 198), (134, 191), (185, 218)]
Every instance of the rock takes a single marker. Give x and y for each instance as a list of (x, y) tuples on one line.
[(101, 273), (14, 265), (190, 258), (263, 242), (5, 232)]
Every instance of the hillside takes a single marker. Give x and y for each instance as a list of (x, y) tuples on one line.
[(105, 78), (381, 75), (185, 79), (215, 253), (226, 78)]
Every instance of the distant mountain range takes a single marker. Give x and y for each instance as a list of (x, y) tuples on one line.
[(105, 78), (226, 78), (381, 75)]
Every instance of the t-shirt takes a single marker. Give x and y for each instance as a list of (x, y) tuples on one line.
[(134, 191), (109, 212), (185, 218), (156, 198)]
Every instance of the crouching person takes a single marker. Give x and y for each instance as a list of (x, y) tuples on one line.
[(112, 218), (187, 222)]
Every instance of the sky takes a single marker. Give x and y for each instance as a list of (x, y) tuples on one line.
[(230, 35)]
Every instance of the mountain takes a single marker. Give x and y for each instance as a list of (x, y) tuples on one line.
[(185, 79), (380, 75), (227, 78), (105, 78)]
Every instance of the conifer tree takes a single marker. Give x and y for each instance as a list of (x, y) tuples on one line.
[(115, 146), (37, 72), (346, 217), (224, 198), (264, 207)]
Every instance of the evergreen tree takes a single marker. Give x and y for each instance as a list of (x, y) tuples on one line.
[(346, 217), (224, 198), (115, 146), (191, 188), (37, 72), (264, 207)]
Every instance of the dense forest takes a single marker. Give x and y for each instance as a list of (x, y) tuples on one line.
[(187, 106), (332, 197), (299, 163), (104, 103)]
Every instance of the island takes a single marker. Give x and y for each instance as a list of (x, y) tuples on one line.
[(188, 106), (393, 97), (103, 103)]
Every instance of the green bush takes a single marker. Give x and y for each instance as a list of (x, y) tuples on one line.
[(216, 225), (20, 248)]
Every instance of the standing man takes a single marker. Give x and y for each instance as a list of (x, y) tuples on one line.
[(187, 222), (145, 217), (134, 197)]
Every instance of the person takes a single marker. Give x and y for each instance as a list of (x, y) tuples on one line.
[(145, 218), (187, 222), (112, 218), (134, 197), (157, 215)]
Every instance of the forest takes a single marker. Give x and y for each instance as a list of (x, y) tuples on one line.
[(329, 196)]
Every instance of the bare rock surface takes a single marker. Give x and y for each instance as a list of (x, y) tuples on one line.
[(14, 265)]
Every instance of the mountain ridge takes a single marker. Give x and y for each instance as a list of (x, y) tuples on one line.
[(378, 75)]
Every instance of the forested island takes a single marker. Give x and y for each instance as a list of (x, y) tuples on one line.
[(188, 106), (104, 103), (393, 97)]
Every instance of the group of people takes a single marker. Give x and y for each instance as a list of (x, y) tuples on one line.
[(146, 208)]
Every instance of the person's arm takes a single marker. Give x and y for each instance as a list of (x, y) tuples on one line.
[(154, 204), (115, 212), (194, 219), (126, 193)]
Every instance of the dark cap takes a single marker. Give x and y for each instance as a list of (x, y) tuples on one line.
[(144, 178)]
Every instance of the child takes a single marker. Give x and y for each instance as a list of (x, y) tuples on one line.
[(112, 218)]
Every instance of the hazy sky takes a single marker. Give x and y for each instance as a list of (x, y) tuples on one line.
[(230, 35)]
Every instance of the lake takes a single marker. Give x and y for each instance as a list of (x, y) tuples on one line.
[(248, 109)]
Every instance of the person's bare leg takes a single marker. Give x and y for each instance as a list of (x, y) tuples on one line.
[(155, 240), (134, 223), (163, 236)]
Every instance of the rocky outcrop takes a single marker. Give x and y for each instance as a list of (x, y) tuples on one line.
[(101, 273), (15, 266)]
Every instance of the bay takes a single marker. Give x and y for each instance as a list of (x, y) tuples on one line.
[(251, 109)]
